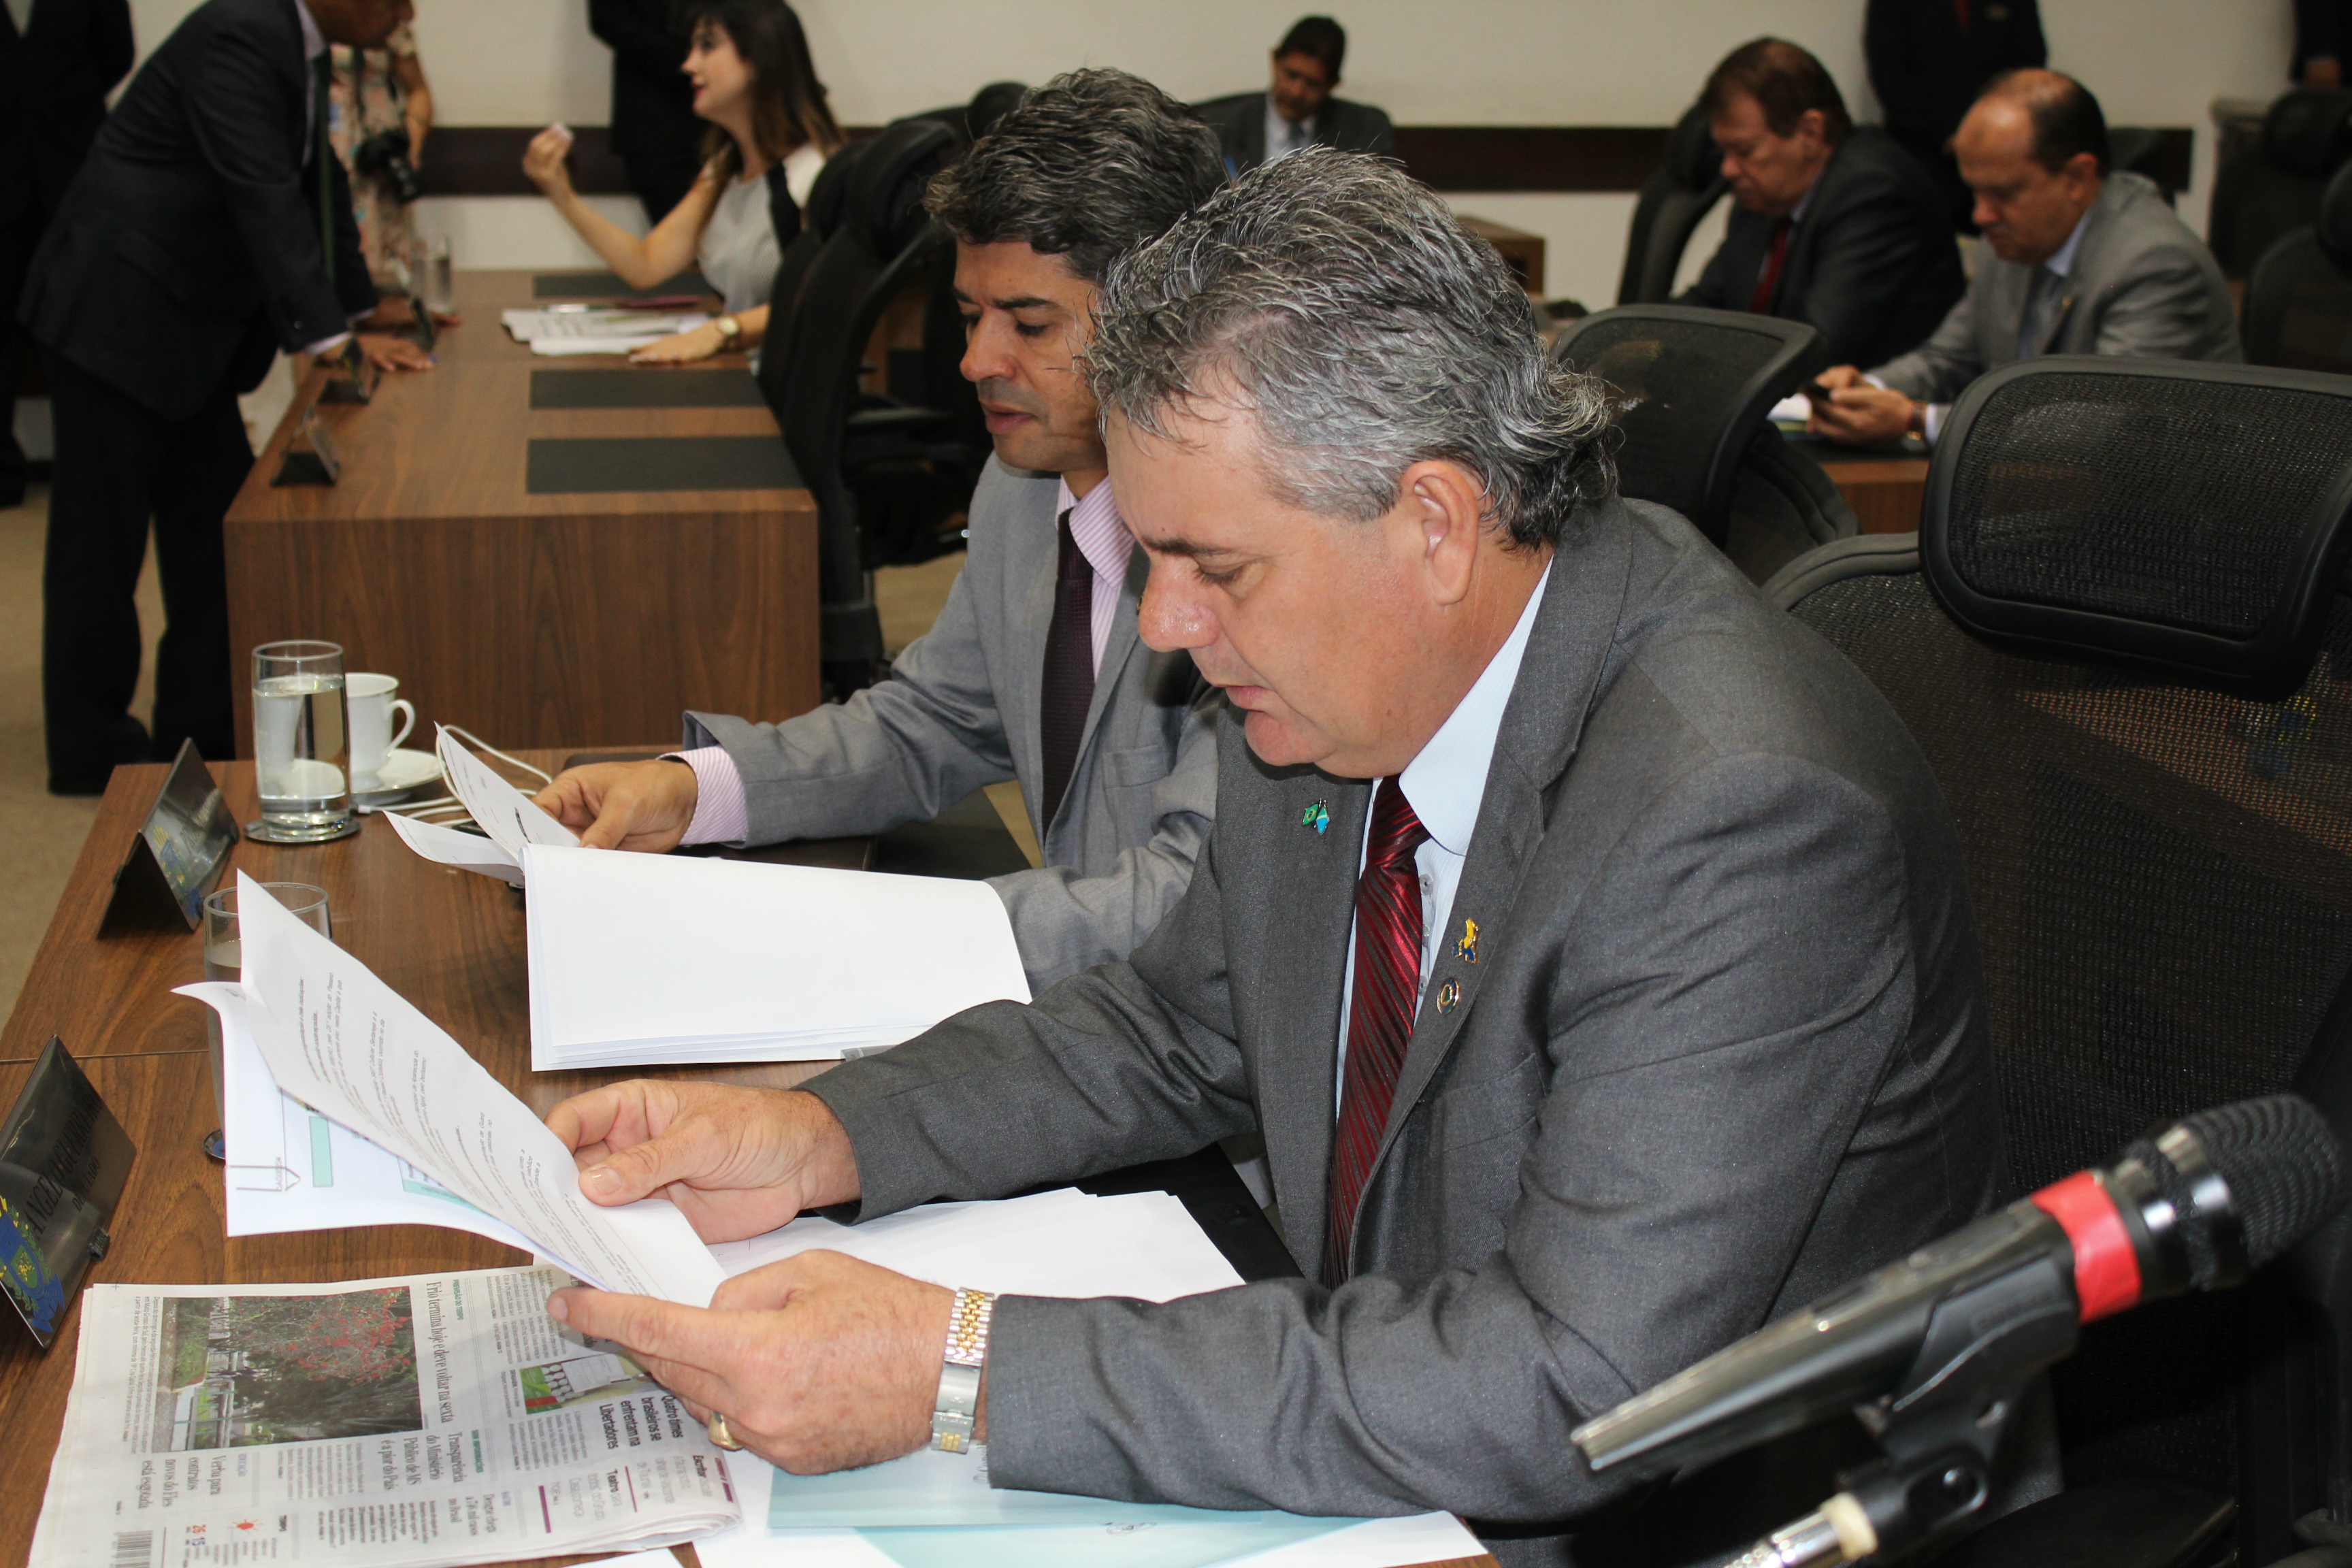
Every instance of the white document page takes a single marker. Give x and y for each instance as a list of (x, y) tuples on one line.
[(450, 847), (497, 808), (535, 327), (290, 1168), (647, 958), (1063, 1243), (345, 1044)]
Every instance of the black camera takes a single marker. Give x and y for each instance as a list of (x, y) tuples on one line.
[(385, 153)]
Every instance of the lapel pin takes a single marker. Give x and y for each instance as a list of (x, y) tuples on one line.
[(1315, 818), (1449, 996), (1466, 948)]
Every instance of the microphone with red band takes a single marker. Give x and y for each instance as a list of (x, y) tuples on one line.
[(2195, 1207)]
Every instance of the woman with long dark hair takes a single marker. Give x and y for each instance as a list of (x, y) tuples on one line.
[(769, 134)]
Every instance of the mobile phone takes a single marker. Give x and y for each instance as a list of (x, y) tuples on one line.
[(1816, 391)]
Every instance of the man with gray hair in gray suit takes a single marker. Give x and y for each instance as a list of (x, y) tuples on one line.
[(1033, 670), (2083, 261), (1586, 937)]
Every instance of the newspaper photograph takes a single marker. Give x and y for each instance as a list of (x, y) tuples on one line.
[(441, 1419)]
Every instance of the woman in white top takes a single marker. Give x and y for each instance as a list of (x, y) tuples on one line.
[(754, 81)]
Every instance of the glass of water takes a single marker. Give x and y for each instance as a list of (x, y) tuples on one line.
[(302, 743), (225, 960), (440, 276)]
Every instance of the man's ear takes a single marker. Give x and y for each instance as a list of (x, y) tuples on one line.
[(1446, 506)]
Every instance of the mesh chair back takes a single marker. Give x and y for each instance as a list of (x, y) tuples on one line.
[(1696, 386), (2299, 299), (1675, 199), (2161, 865), (1782, 505), (2273, 187), (875, 244)]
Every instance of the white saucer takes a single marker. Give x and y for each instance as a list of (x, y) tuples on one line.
[(402, 774)]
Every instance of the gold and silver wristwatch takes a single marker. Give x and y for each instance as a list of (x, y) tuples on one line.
[(958, 1407), (730, 329)]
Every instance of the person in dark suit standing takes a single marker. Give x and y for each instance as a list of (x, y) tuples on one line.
[(655, 129), (1928, 61), (1834, 225), (58, 59), (2323, 35), (1298, 110), (210, 226)]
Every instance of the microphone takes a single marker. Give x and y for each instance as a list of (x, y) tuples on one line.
[(2193, 1206)]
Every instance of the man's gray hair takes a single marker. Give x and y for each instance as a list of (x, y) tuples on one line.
[(1343, 305)]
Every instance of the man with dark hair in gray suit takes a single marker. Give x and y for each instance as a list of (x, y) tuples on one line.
[(1298, 110), (1587, 938), (2083, 261), (1033, 670)]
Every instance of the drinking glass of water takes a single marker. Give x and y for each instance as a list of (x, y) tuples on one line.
[(225, 960), (440, 277), (302, 743)]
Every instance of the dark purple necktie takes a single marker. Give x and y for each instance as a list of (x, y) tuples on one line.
[(1380, 1014), (1069, 689)]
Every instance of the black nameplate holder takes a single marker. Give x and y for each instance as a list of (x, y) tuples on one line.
[(355, 378), (177, 856), (311, 458), (63, 1162)]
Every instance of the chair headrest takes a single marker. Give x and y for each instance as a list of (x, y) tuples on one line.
[(2184, 518), (1692, 157), (2335, 220), (885, 202), (2308, 130), (990, 104), (830, 193)]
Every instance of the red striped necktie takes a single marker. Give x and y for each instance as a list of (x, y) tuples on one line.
[(1380, 1016), (1760, 303)]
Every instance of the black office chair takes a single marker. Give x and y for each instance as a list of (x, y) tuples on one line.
[(2140, 150), (1675, 199), (2274, 186), (2122, 642), (1696, 386), (880, 470), (2299, 299)]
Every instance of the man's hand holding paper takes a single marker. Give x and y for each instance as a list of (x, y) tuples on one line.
[(642, 806), (819, 1361)]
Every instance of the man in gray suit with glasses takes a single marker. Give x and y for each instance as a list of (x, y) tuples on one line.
[(1586, 937), (1033, 670)]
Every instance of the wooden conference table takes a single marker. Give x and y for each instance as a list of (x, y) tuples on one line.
[(451, 942), (545, 550)]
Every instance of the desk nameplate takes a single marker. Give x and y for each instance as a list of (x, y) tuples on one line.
[(63, 1162), (177, 854)]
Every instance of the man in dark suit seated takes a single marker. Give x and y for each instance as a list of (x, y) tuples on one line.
[(1587, 938), (210, 228), (54, 78), (2083, 261), (1298, 110), (1834, 226)]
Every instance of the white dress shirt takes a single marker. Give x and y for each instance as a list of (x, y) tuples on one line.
[(1444, 784), (1283, 137)]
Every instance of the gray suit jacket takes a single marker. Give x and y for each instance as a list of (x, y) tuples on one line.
[(2142, 287), (1240, 124), (960, 712), (1721, 1048)]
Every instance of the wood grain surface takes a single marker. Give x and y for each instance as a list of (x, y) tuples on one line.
[(529, 619), (451, 942), (1885, 493)]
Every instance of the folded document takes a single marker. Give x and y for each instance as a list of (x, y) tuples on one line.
[(637, 960)]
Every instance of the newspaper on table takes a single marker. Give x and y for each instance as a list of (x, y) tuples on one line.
[(595, 331), (431, 1420)]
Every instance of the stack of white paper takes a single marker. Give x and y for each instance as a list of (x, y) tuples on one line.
[(596, 332), (637, 960)]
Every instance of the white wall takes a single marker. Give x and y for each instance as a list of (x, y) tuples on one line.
[(1476, 62)]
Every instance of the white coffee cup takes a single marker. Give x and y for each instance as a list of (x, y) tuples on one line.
[(371, 703)]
